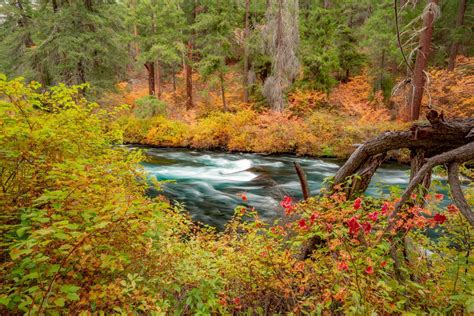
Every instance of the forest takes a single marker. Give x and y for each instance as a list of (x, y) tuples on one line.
[(236, 157)]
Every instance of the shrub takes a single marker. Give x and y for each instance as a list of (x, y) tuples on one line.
[(149, 106), (165, 132)]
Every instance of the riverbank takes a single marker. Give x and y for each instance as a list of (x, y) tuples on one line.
[(321, 134)]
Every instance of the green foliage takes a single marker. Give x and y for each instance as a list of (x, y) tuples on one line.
[(159, 26), (149, 106), (80, 236), (72, 43)]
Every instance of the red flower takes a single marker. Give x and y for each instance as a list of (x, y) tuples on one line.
[(383, 263), (413, 196), (452, 208), (354, 226), (439, 219), (369, 270), (385, 208), (342, 266), (244, 197), (357, 203), (237, 301), (439, 196), (302, 224), (313, 218), (373, 216), (367, 227)]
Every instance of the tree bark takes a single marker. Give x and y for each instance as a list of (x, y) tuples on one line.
[(423, 53), (158, 79), (150, 67), (189, 76), (459, 23), (361, 179), (417, 159), (441, 135), (303, 180), (55, 6), (246, 52), (224, 102), (173, 78), (458, 155), (456, 193)]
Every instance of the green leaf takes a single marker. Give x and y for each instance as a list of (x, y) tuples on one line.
[(59, 302), (73, 296), (4, 300), (21, 231), (69, 288)]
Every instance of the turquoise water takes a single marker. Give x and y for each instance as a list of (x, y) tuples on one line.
[(209, 184)]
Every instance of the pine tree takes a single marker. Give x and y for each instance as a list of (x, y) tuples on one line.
[(71, 42)]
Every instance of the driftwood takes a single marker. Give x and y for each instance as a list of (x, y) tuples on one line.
[(303, 180), (441, 142), (448, 142)]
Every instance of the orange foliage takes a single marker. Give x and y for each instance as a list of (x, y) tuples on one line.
[(453, 91), (355, 98)]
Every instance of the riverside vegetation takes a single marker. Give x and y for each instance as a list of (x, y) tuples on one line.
[(78, 79), (80, 236)]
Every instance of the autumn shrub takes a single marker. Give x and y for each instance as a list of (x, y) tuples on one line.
[(134, 129), (79, 235), (221, 130), (167, 133)]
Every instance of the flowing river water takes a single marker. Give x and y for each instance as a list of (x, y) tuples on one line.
[(210, 184)]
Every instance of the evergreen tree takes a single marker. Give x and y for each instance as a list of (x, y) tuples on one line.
[(215, 42), (68, 41)]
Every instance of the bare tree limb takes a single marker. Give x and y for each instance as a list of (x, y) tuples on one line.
[(456, 192), (460, 154), (303, 180)]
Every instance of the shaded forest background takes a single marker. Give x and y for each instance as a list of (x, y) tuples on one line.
[(203, 56)]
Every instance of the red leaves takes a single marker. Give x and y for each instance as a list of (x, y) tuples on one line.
[(367, 227), (313, 218), (385, 209), (357, 203), (287, 204), (452, 208), (302, 224), (354, 226), (373, 216), (343, 266), (439, 219)]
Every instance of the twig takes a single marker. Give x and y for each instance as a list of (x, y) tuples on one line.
[(395, 6)]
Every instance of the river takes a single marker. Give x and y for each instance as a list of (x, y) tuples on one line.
[(210, 184)]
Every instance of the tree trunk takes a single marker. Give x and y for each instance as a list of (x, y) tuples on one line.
[(189, 76), (88, 4), (55, 6), (246, 52), (150, 67), (173, 78), (459, 24), (224, 102), (421, 62), (158, 79)]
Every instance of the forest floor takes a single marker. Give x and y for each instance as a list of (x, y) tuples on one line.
[(315, 123)]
